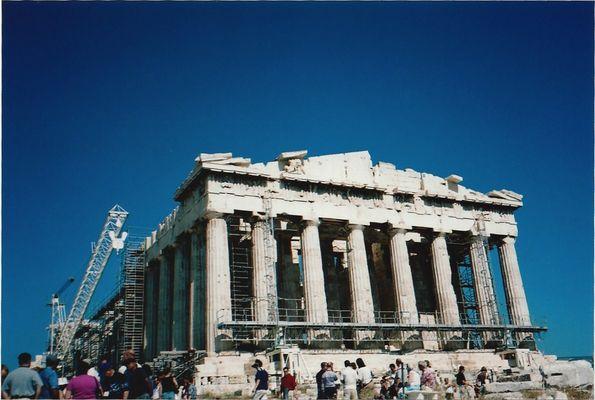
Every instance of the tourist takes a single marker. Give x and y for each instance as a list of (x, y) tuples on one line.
[(4, 372), (428, 376), (349, 379), (152, 380), (329, 382), (49, 377), (92, 370), (104, 365), (319, 386), (113, 383), (462, 383), (392, 371), (168, 386), (22, 382), (288, 384), (480, 382), (126, 356), (413, 379), (364, 374), (261, 381), (449, 389), (83, 385), (189, 389), (139, 386), (387, 388)]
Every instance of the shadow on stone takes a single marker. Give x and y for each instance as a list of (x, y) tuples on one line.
[(413, 342), (455, 343), (224, 343)]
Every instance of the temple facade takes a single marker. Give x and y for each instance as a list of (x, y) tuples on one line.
[(332, 252)]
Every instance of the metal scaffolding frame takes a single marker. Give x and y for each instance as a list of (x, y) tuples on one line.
[(387, 324), (288, 325), (132, 280)]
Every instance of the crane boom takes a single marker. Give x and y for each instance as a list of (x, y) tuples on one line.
[(99, 258)]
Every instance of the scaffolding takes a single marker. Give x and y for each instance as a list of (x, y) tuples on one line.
[(240, 267), (341, 327), (287, 324), (132, 279)]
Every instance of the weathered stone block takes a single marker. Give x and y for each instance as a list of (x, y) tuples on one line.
[(501, 387)]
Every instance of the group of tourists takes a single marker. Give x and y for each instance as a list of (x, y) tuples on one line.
[(354, 377), (355, 381), (130, 380)]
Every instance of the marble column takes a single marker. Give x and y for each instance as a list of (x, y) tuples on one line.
[(404, 291), (482, 280), (164, 312), (314, 295), (262, 273), (362, 304), (218, 284), (180, 298), (149, 313), (513, 283), (196, 294), (448, 311)]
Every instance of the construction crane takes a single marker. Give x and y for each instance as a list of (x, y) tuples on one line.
[(109, 239), (58, 314)]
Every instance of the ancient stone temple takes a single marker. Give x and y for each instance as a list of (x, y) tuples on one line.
[(332, 252)]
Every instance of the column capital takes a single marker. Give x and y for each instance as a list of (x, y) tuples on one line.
[(209, 215), (310, 221), (509, 239), (355, 226), (441, 234), (393, 230)]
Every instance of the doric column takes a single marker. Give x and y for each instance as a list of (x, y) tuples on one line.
[(314, 295), (164, 312), (445, 294), (404, 292), (264, 279), (180, 299), (362, 304), (482, 279), (218, 284), (149, 313), (196, 297), (513, 283)]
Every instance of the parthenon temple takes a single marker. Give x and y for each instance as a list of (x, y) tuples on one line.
[(332, 252)]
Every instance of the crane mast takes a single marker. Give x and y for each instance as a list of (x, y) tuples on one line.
[(109, 239), (58, 315)]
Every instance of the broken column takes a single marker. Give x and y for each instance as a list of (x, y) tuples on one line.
[(513, 283), (446, 299), (218, 284), (362, 304)]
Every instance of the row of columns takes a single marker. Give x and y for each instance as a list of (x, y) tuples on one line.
[(217, 306)]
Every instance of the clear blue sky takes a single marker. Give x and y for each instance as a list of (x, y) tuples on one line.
[(111, 102)]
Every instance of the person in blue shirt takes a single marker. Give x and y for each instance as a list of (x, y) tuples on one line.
[(49, 377), (261, 388)]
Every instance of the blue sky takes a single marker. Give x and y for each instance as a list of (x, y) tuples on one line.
[(109, 103)]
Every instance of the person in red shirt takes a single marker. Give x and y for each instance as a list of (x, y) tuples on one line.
[(288, 384)]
